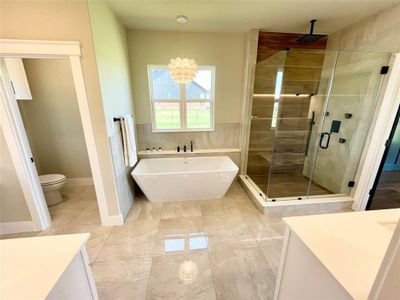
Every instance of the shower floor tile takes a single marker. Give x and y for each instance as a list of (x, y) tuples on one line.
[(232, 250), (287, 185)]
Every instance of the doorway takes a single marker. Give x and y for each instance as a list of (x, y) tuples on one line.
[(15, 136), (54, 130), (385, 192)]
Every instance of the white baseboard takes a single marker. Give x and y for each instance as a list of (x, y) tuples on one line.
[(113, 220), (79, 181), (16, 227)]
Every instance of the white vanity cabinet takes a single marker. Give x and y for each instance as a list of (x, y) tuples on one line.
[(340, 256), (19, 81), (48, 267)]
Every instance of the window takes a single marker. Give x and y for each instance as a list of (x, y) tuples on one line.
[(181, 107)]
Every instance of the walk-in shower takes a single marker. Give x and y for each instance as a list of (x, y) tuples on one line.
[(310, 115)]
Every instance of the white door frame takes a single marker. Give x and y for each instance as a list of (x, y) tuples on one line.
[(381, 132), (14, 131)]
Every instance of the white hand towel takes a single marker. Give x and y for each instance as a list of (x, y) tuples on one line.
[(128, 137)]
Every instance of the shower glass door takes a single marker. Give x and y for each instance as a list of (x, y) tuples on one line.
[(294, 123), (351, 98)]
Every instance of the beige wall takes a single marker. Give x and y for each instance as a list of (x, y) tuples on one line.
[(66, 21), (13, 207), (113, 68), (223, 50), (52, 119), (111, 49)]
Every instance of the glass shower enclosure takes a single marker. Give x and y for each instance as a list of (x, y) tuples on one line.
[(311, 113)]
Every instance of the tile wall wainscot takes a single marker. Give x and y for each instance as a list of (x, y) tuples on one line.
[(226, 135), (234, 155), (124, 180)]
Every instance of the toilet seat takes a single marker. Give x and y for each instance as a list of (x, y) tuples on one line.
[(50, 179)]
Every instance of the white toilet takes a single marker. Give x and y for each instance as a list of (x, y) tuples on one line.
[(51, 185)]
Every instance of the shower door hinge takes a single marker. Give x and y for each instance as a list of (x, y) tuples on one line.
[(388, 142), (384, 69), (351, 184)]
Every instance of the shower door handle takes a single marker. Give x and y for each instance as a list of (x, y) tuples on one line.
[(322, 139)]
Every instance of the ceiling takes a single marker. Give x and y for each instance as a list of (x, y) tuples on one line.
[(240, 16)]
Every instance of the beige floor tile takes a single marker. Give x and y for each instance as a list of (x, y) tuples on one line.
[(247, 208), (272, 249), (219, 207), (241, 273), (235, 247), (90, 215), (172, 278), (265, 230), (129, 241), (180, 209), (236, 191), (144, 210), (122, 279), (229, 231), (180, 235), (99, 235), (180, 225)]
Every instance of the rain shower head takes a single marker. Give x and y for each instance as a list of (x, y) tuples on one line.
[(311, 37)]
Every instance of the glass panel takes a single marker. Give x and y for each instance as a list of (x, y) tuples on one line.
[(164, 87), (198, 115), (348, 114), (200, 87), (292, 122), (167, 115), (265, 112)]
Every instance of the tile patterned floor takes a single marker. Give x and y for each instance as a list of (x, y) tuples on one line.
[(213, 249)]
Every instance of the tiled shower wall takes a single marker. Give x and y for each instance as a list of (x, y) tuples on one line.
[(226, 135), (354, 91)]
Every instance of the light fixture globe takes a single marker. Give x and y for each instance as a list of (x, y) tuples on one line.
[(182, 70)]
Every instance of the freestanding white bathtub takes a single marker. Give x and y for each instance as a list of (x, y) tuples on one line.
[(185, 178)]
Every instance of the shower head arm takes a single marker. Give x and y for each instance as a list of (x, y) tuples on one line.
[(312, 26)]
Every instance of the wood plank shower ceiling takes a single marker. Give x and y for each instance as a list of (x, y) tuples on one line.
[(282, 150), (269, 43)]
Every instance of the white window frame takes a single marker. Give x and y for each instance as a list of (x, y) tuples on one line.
[(182, 102)]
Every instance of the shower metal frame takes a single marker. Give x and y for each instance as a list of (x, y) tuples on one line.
[(372, 152)]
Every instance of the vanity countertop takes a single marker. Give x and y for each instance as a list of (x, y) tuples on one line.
[(350, 245), (30, 267)]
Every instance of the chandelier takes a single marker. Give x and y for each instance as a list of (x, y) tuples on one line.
[(182, 70)]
